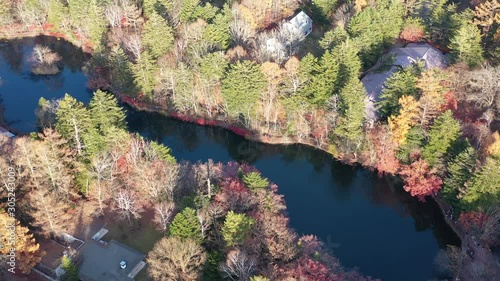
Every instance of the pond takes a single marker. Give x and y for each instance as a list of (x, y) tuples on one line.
[(20, 90), (368, 222)]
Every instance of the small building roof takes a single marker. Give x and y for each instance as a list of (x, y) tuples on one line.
[(413, 52), (374, 83), (301, 23), (5, 132), (102, 262), (403, 57)]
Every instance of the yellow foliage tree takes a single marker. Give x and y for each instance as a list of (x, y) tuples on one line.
[(18, 244), (359, 5), (401, 124), (486, 14), (494, 148), (433, 93)]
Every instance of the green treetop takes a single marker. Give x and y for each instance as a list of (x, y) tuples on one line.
[(466, 45), (241, 89), (484, 189), (73, 121), (442, 135), (106, 112), (185, 225), (352, 111), (399, 84), (144, 71), (459, 171), (70, 268), (157, 36), (254, 181), (218, 31), (236, 228)]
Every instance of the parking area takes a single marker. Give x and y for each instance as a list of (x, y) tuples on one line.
[(101, 261)]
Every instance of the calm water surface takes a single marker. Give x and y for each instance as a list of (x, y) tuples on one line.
[(368, 222), (20, 90)]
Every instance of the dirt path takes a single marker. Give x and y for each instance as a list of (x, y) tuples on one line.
[(478, 262)]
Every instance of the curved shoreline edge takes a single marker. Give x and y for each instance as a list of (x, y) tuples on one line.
[(248, 135), (6, 33)]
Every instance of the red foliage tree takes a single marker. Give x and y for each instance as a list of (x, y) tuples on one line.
[(451, 103), (313, 270), (420, 180), (234, 195), (472, 220)]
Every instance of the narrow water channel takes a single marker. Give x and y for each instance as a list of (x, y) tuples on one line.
[(367, 221)]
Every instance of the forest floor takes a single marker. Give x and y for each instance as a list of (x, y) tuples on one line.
[(140, 235)]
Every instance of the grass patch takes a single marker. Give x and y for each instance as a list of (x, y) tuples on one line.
[(141, 238)]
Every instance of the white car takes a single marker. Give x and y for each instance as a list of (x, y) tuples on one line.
[(123, 264)]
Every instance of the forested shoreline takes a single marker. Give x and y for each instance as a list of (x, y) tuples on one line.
[(207, 60)]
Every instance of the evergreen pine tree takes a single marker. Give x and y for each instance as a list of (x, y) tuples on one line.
[(241, 89), (70, 268), (236, 228), (105, 112), (157, 35), (120, 71), (218, 31), (188, 12), (484, 189), (442, 135), (466, 45), (352, 111), (254, 181), (400, 83), (145, 70), (73, 121), (459, 171), (186, 226)]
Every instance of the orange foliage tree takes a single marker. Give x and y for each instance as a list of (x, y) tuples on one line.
[(493, 148), (382, 147), (420, 180), (17, 239), (413, 31), (401, 124)]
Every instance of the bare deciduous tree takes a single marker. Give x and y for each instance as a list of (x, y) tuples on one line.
[(491, 228), (43, 54), (56, 162), (157, 179), (132, 43), (343, 14), (131, 13), (163, 214), (48, 211), (238, 266), (241, 32), (175, 259), (101, 169), (114, 13), (484, 88), (127, 205)]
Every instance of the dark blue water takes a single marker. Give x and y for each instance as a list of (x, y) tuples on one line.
[(20, 90), (368, 222)]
